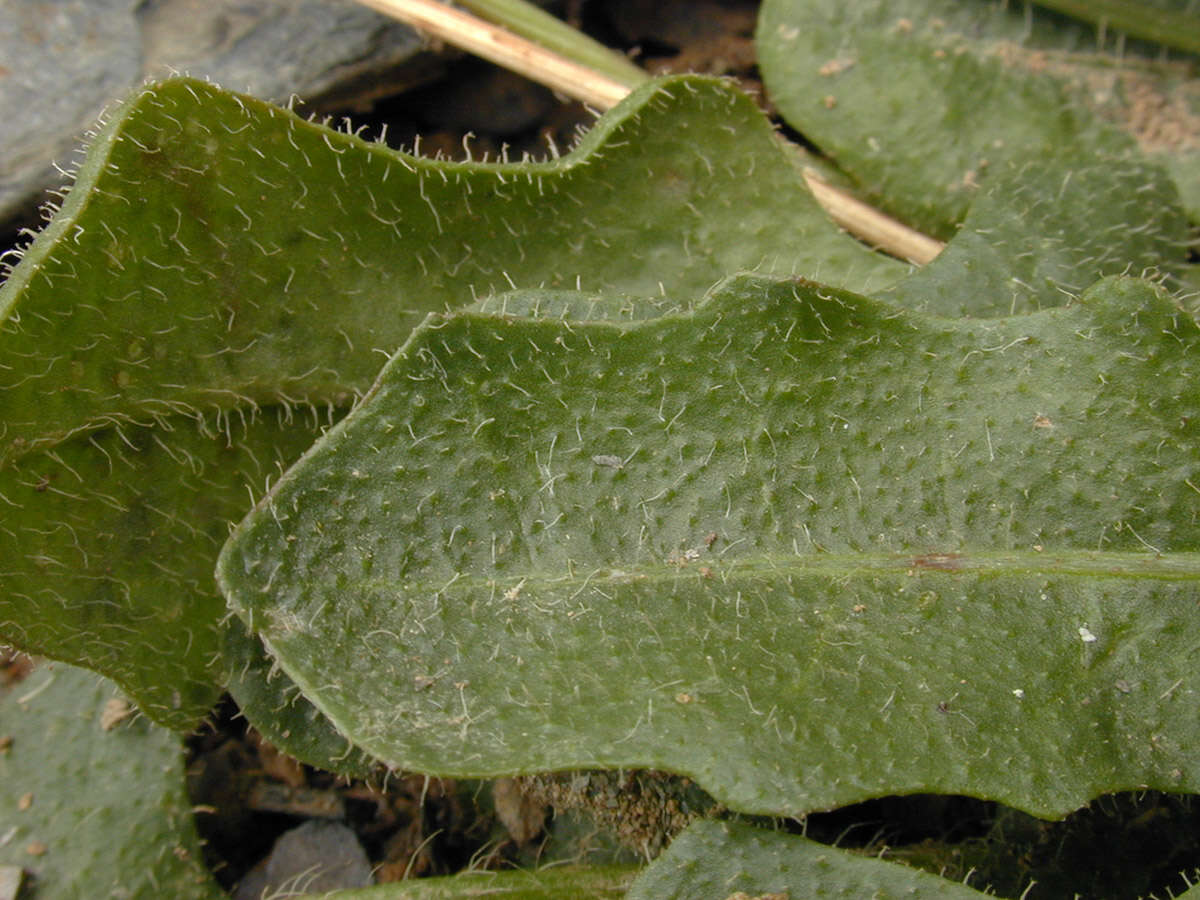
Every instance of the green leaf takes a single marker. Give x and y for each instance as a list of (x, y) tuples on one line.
[(1193, 892), (1035, 236), (1172, 23), (714, 860), (212, 237), (859, 551), (1185, 169), (108, 544), (273, 704), (560, 883), (90, 812), (222, 280), (920, 100)]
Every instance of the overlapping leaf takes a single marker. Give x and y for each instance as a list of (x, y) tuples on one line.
[(1035, 235), (220, 257), (282, 715), (797, 543), (220, 283), (755, 532), (213, 236), (107, 545)]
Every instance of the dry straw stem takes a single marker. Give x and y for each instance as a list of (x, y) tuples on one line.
[(870, 225), (561, 74), (551, 33), (495, 44)]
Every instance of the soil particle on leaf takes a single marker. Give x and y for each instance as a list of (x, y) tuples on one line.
[(116, 710), (1159, 107), (1158, 120), (14, 666), (11, 878)]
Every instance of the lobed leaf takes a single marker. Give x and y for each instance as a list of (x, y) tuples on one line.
[(579, 528), (212, 237), (221, 263), (856, 550), (107, 546)]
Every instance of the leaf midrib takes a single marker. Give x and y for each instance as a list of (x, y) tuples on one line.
[(1174, 566)]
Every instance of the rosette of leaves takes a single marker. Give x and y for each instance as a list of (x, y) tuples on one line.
[(801, 535)]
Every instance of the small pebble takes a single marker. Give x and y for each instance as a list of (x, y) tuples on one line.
[(313, 858)]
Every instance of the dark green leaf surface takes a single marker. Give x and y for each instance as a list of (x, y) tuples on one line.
[(1035, 235), (797, 544), (714, 860), (220, 283), (104, 811), (107, 546), (219, 253), (564, 883)]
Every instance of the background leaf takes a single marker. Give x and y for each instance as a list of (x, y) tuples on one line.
[(713, 860), (1035, 235), (89, 812), (918, 100), (281, 713), (107, 547)]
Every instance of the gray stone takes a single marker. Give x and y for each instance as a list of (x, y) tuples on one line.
[(310, 859), (63, 61)]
